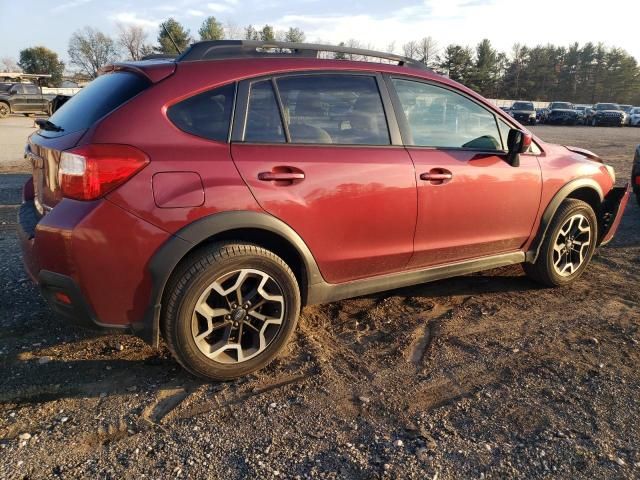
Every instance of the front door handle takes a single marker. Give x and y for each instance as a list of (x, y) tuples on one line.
[(280, 176), (437, 176)]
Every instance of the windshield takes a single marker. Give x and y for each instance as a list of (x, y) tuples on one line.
[(607, 106), (561, 106), (522, 106), (581, 108), (94, 101)]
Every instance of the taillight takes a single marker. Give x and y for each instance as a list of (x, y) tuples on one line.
[(92, 171)]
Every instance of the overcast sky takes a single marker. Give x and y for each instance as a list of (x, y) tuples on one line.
[(378, 23)]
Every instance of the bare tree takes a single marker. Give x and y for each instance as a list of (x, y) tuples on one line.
[(8, 64), (90, 50), (391, 47), (133, 41), (427, 50), (233, 31), (410, 49)]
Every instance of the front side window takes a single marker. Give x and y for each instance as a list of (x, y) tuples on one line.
[(440, 118), (334, 109), (263, 116), (206, 115)]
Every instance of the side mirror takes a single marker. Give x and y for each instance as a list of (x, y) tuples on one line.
[(518, 142)]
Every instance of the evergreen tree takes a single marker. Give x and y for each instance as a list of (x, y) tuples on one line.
[(211, 29), (179, 34)]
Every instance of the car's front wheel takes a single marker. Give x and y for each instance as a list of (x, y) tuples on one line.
[(568, 245), (229, 310)]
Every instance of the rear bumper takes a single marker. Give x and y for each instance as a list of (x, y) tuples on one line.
[(90, 261), (57, 289), (611, 212), (61, 292)]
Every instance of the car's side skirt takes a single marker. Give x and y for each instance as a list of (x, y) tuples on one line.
[(326, 292)]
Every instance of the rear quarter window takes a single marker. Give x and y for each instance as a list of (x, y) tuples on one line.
[(101, 96), (207, 114)]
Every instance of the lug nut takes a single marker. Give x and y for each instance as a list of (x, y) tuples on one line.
[(227, 317)]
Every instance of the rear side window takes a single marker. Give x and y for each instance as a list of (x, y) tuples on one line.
[(101, 96), (263, 116), (334, 109), (31, 89), (207, 114)]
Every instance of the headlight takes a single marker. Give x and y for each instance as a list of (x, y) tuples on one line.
[(612, 172), (532, 115)]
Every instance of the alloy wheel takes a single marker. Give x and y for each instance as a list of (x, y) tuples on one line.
[(571, 245), (237, 316)]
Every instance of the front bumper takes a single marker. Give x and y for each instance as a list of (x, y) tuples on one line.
[(611, 212), (562, 120), (609, 120)]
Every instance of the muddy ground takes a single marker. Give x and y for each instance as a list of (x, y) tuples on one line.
[(483, 376)]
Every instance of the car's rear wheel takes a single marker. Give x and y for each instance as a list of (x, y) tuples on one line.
[(568, 246), (229, 310)]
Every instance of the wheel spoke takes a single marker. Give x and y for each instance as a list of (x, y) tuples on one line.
[(253, 307), (571, 245)]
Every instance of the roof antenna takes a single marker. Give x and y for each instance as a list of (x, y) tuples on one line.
[(171, 38)]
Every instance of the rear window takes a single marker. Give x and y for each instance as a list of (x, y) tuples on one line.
[(207, 114), (101, 96)]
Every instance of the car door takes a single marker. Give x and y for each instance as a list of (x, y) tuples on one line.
[(34, 99), (471, 202), (316, 151), (19, 99)]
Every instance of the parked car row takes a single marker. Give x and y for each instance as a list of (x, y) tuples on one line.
[(566, 113)]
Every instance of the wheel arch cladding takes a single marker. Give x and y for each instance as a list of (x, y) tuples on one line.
[(585, 189), (244, 226)]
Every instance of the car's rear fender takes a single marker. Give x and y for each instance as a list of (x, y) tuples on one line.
[(233, 225)]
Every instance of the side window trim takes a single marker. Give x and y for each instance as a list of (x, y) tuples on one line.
[(242, 106), (285, 124)]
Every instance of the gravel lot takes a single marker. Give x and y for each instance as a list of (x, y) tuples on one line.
[(482, 376)]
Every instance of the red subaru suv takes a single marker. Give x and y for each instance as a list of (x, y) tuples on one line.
[(206, 199)]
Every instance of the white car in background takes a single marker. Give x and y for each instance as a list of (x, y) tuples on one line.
[(634, 117), (627, 114)]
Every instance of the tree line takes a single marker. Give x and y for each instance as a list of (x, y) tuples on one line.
[(588, 73)]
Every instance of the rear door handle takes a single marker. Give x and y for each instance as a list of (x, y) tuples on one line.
[(280, 176)]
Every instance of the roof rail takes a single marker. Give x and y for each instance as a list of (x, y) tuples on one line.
[(225, 49), (159, 56)]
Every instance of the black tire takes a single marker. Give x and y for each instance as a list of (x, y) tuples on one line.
[(190, 281), (5, 110), (542, 270)]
